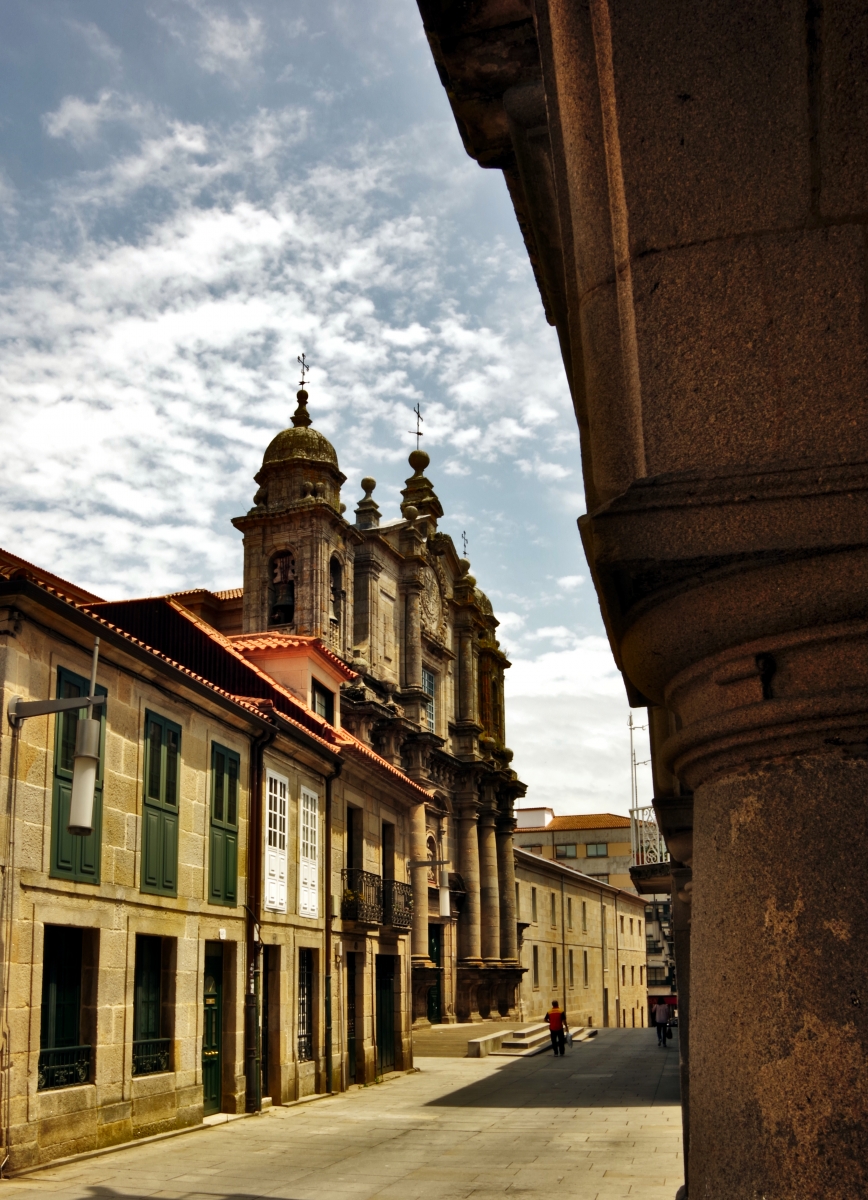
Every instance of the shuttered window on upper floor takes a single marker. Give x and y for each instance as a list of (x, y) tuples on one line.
[(223, 863), (73, 856), (161, 801)]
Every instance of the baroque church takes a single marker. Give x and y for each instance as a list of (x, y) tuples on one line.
[(396, 604)]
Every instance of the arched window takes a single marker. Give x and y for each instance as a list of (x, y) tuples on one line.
[(431, 847), (335, 589), (281, 609)]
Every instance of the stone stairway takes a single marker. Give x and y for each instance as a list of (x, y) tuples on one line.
[(534, 1039)]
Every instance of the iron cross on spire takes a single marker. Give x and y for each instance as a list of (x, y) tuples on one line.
[(419, 420), (305, 369), (464, 540)]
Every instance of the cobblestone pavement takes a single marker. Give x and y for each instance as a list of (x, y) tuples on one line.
[(600, 1124)]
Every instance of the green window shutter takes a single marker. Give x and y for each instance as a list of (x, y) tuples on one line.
[(223, 857), (161, 797), (74, 857)]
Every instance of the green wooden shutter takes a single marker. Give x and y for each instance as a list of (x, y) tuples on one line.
[(74, 857), (161, 801), (223, 857)]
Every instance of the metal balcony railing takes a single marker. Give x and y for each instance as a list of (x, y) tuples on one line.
[(363, 896), (64, 1067), (397, 904), (151, 1055)]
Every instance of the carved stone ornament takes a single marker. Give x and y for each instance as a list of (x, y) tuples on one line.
[(432, 604)]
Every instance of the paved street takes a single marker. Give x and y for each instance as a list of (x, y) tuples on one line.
[(600, 1124)]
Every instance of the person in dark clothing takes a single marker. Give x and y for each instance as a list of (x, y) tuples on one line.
[(661, 1020), (557, 1023)]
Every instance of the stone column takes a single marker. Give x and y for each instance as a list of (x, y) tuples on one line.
[(469, 933), (413, 636), (489, 892), (466, 706), (419, 879), (506, 881)]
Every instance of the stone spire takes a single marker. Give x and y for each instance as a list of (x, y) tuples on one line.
[(419, 493)]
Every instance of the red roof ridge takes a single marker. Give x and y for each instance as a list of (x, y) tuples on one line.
[(265, 640), (8, 569)]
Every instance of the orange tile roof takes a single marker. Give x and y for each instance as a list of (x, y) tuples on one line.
[(291, 641), (230, 593), (10, 562), (580, 821)]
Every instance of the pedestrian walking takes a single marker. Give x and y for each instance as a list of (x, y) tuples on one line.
[(661, 1020), (557, 1023)]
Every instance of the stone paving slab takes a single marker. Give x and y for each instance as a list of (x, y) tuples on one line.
[(602, 1123)]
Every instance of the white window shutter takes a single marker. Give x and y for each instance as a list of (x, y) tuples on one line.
[(277, 791), (308, 855)]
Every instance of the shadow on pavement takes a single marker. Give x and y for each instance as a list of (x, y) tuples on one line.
[(620, 1068)]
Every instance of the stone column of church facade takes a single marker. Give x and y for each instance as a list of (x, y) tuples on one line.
[(413, 634), (469, 923), (489, 892), (466, 705), (506, 881), (419, 879)]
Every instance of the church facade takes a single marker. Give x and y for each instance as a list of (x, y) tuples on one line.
[(396, 604)]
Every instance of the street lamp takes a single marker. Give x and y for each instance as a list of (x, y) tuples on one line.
[(85, 761)]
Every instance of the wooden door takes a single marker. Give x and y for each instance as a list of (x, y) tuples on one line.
[(385, 982), (435, 933), (212, 1029)]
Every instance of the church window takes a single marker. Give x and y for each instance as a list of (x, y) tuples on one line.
[(569, 913), (517, 901), (223, 872), (597, 849), (429, 686), (565, 851), (160, 807), (308, 855), (323, 701), (282, 601), (74, 857), (572, 981), (622, 924), (277, 787), (335, 590), (584, 917), (584, 968)]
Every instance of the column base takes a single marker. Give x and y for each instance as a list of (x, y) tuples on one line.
[(470, 962)]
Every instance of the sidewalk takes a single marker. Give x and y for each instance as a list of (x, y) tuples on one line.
[(600, 1124)]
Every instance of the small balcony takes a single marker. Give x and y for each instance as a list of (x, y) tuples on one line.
[(362, 896), (64, 1067), (151, 1056), (397, 904)]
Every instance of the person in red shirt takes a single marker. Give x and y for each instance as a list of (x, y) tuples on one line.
[(557, 1023)]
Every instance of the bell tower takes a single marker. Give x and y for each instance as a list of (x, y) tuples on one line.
[(298, 548)]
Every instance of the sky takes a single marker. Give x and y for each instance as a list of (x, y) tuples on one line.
[(192, 193)]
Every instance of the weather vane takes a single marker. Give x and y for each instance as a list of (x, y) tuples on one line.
[(419, 420), (464, 540), (305, 369)]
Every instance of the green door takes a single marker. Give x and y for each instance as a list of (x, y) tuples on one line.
[(385, 1013), (434, 953), (212, 1028)]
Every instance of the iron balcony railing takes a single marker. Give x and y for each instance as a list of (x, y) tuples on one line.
[(397, 904), (64, 1067), (151, 1055), (363, 896)]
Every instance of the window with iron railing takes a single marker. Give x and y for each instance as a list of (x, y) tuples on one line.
[(305, 1005), (63, 1061)]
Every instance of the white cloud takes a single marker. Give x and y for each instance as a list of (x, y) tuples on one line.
[(570, 583), (82, 121), (573, 699)]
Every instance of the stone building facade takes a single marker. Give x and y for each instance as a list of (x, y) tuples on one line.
[(582, 944)]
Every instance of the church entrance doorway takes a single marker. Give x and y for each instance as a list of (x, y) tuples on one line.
[(385, 983)]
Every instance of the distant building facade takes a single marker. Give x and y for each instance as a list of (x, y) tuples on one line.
[(582, 944), (598, 844)]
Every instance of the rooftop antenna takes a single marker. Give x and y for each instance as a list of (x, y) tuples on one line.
[(419, 420), (305, 369), (464, 541)]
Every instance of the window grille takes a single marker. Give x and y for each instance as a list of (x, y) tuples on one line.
[(305, 1005)]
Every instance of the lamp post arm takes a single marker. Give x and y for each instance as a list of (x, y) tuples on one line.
[(19, 710)]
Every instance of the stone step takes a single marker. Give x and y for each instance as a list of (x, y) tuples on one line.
[(536, 1040)]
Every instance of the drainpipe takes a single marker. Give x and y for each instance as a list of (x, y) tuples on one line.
[(252, 1028), (329, 899)]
